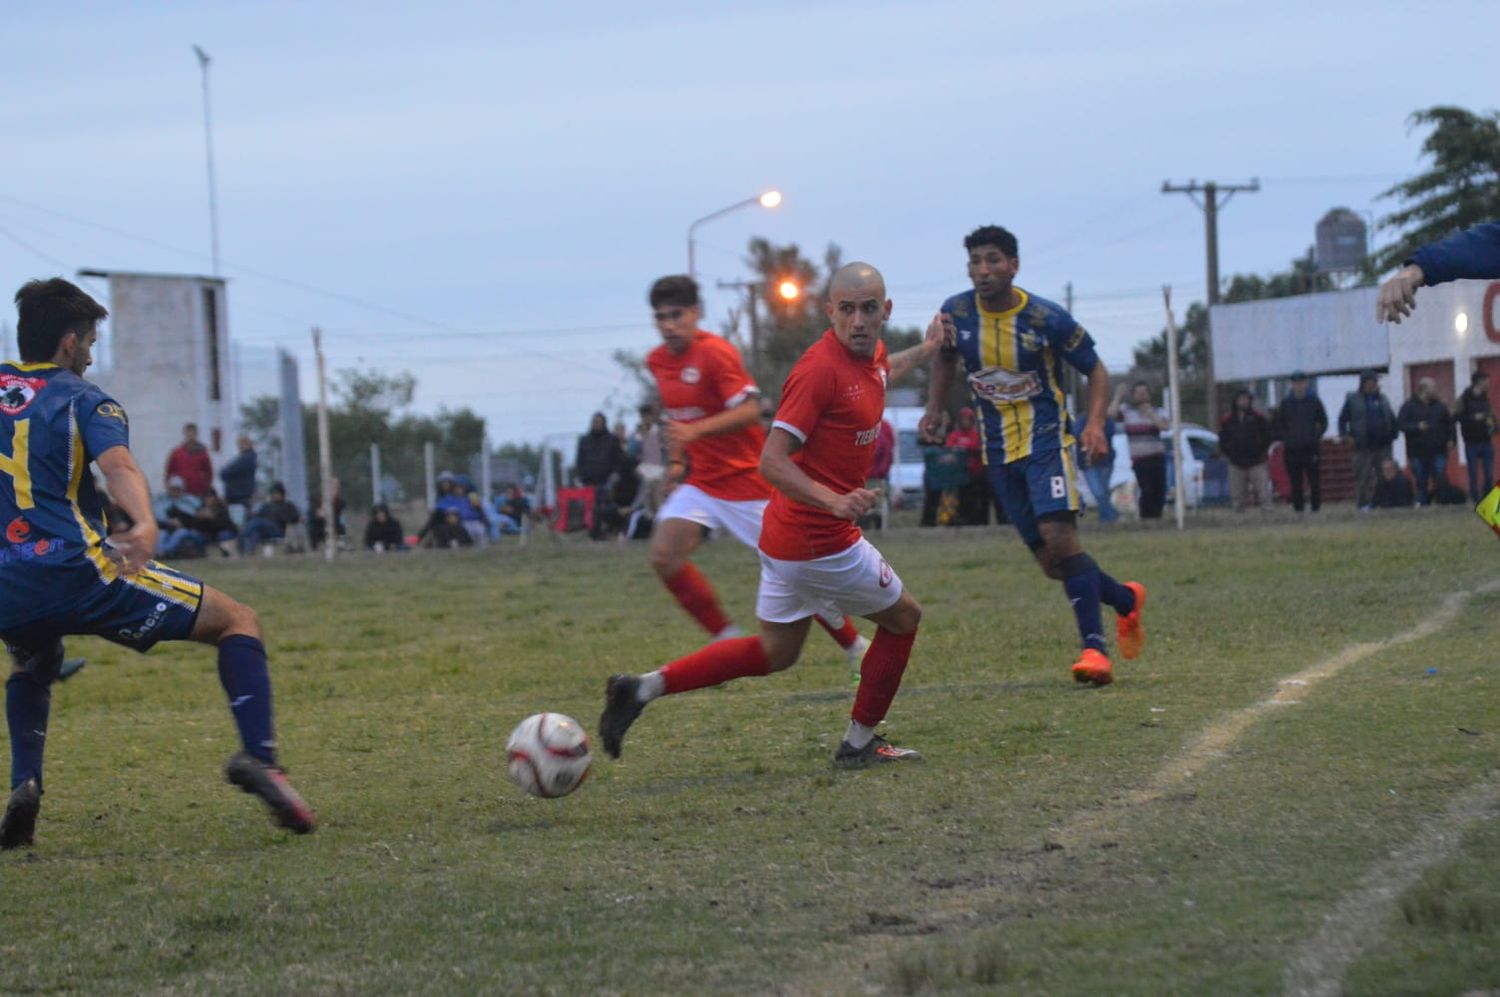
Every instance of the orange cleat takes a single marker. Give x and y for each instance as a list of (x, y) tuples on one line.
[(1093, 667), (1128, 630)]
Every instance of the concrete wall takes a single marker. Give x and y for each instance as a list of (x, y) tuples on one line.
[(162, 365), (1318, 333)]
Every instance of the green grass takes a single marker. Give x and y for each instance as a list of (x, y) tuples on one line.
[(724, 853)]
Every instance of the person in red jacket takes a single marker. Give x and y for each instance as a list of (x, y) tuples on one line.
[(973, 498), (189, 461)]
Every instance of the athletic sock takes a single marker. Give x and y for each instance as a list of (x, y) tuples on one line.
[(27, 706), (247, 683), (1114, 595), (880, 675), (652, 686), (858, 735), (1081, 582), (714, 664), (844, 633), (697, 596)]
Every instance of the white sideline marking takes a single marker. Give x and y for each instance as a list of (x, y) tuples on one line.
[(1354, 926), (1220, 736)]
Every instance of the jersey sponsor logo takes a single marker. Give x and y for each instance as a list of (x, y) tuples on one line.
[(31, 551), (17, 392), (687, 414), (886, 574), (18, 530), (865, 437), (996, 384), (1031, 342), (110, 410), (691, 375)]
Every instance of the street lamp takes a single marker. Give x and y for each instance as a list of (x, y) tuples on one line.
[(789, 289), (208, 142), (770, 199)]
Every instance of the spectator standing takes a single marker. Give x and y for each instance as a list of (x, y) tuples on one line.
[(652, 453), (931, 439), (270, 521), (238, 477), (973, 497), (1367, 420), (1476, 421), (1245, 439), (1428, 426), (1300, 422), (598, 457), (189, 460), (383, 531), (1393, 489), (1098, 471), (1143, 424)]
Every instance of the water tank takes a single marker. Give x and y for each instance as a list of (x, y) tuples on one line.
[(1342, 241)]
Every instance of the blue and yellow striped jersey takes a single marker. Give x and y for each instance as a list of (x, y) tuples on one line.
[(1013, 362), (53, 423)]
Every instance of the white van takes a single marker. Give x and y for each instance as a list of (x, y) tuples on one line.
[(907, 467)]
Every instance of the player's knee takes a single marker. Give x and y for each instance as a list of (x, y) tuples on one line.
[(779, 658), (665, 562), (906, 618), (242, 620)]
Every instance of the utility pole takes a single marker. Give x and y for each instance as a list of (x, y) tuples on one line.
[(1210, 205), (208, 143), (750, 287)]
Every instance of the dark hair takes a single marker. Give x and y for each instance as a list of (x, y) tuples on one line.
[(678, 290), (48, 310), (992, 235)]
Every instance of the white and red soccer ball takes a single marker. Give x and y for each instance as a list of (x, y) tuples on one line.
[(548, 755)]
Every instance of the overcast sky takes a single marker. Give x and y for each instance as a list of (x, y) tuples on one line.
[(481, 194)]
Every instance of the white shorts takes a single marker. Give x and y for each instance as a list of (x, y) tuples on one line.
[(742, 519), (856, 581)]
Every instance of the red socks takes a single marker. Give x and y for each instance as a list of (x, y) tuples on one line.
[(846, 635), (697, 596), (724, 660), (880, 675)]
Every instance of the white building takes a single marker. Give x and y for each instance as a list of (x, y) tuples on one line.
[(1454, 332), (169, 363)]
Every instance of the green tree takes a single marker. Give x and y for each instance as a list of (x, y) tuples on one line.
[(1460, 190)]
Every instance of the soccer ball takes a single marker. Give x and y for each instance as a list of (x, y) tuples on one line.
[(548, 755)]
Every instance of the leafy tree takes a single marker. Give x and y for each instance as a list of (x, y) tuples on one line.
[(1461, 189)]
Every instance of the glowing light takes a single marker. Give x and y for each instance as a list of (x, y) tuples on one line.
[(789, 290), (1461, 323), (770, 199)]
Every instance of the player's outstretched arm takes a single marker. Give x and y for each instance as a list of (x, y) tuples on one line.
[(939, 334), (127, 486), (778, 468), (731, 420), (1093, 442), (1398, 295)]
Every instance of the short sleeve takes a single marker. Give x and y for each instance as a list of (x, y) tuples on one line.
[(1073, 343), (731, 381), (102, 422), (805, 396)]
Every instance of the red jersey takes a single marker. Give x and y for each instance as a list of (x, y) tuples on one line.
[(834, 402), (705, 379)]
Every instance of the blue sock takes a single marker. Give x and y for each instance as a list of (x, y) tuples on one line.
[(27, 706), (1081, 582), (247, 683), (1113, 594)]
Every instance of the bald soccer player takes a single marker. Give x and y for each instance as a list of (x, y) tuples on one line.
[(814, 560)]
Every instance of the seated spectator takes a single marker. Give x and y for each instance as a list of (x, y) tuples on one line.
[(270, 520), (317, 526), (174, 513), (511, 510), (448, 530), (383, 532), (212, 524), (1394, 489), (616, 500)]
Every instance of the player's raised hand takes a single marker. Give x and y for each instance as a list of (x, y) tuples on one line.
[(133, 548), (1398, 296), (853, 505), (940, 332)]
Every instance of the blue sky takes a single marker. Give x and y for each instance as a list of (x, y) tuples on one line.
[(480, 194)]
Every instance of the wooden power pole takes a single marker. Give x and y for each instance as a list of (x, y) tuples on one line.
[(1210, 203)]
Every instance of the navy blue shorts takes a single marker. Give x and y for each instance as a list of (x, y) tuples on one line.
[(78, 597), (1040, 485)]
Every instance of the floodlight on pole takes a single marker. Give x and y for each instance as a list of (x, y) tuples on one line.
[(770, 199), (208, 142), (789, 289)]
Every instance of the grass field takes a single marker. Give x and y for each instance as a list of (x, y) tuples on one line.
[(1294, 789)]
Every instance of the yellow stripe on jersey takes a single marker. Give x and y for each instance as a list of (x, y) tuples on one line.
[(1070, 474), (147, 583), (998, 348), (185, 586), (92, 543), (1064, 438), (18, 464)]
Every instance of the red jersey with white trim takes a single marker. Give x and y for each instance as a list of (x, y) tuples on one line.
[(703, 380), (833, 402)]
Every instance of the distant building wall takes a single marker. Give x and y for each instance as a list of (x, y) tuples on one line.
[(171, 364)]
